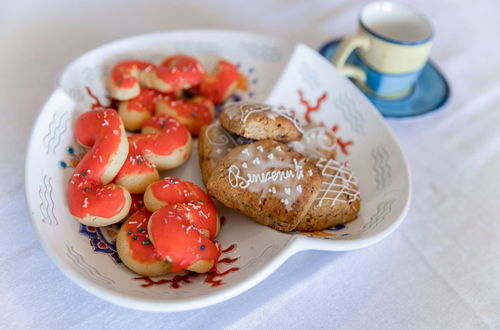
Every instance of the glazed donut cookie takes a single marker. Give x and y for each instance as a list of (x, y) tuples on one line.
[(338, 201), (173, 74), (268, 182), (137, 110), (219, 86), (169, 191), (214, 142), (135, 248), (179, 242), (195, 112), (91, 199), (260, 121), (183, 71), (183, 224), (164, 144)]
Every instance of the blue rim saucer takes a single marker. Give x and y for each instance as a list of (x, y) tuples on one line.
[(430, 93)]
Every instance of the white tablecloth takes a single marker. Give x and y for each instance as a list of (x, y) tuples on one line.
[(440, 269)]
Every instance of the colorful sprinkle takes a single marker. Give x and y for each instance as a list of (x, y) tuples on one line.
[(70, 150), (63, 164), (202, 247)]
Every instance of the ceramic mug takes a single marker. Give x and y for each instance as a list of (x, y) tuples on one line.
[(392, 47)]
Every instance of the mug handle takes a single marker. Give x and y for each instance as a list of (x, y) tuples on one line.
[(346, 47)]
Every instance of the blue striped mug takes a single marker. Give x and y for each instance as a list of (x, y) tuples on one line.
[(391, 48)]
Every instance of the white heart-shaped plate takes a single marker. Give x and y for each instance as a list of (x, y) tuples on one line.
[(276, 72)]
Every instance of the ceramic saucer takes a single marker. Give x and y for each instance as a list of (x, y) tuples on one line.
[(430, 92)]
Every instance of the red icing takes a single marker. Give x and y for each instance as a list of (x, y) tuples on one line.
[(179, 242), (310, 108), (135, 164), (172, 135), (181, 71), (176, 228), (175, 73), (144, 102), (194, 113), (125, 74), (171, 191), (141, 248), (219, 85), (88, 192), (199, 214)]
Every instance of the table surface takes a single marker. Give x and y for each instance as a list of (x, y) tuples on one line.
[(440, 269)]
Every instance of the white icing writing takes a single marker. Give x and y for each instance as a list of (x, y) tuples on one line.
[(237, 180)]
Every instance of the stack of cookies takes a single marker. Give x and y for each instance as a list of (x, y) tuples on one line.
[(257, 159)]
